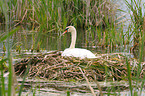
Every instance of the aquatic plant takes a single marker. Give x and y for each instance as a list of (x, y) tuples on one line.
[(138, 22), (8, 58)]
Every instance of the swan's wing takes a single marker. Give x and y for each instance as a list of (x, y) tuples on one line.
[(77, 52)]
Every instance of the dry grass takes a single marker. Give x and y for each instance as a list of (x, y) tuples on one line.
[(55, 67)]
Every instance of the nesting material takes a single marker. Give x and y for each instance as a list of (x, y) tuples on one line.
[(55, 67)]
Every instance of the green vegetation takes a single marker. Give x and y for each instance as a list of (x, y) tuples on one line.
[(96, 17), (45, 16), (138, 31)]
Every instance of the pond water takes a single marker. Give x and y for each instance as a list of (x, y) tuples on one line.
[(60, 88), (26, 40)]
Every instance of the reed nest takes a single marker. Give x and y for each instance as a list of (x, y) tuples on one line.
[(53, 66)]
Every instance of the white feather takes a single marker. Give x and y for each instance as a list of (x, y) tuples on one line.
[(78, 52)]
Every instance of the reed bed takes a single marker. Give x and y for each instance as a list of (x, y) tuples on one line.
[(97, 17), (52, 14), (138, 22)]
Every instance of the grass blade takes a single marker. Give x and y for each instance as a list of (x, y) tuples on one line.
[(25, 75), (8, 35), (2, 83), (129, 76)]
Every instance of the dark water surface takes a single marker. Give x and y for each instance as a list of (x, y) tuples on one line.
[(28, 40)]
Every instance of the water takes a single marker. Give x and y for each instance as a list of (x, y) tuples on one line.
[(26, 40), (60, 88)]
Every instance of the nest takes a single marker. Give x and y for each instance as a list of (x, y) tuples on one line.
[(55, 67)]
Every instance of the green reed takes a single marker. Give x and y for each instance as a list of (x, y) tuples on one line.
[(50, 14), (2, 90), (5, 10), (25, 76), (8, 58), (103, 30), (129, 76), (137, 19), (54, 15)]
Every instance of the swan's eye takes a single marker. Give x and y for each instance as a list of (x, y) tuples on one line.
[(66, 29)]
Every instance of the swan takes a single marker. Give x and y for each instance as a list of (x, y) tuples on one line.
[(75, 52)]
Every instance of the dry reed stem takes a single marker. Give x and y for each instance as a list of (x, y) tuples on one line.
[(92, 90), (98, 85), (53, 66), (22, 18)]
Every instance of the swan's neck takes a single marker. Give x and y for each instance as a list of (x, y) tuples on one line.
[(73, 39)]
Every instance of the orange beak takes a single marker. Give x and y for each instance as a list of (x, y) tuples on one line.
[(64, 32)]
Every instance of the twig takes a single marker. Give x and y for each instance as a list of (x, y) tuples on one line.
[(92, 90), (101, 94)]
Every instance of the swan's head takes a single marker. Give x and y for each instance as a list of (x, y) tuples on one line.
[(69, 29)]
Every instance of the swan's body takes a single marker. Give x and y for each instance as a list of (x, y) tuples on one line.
[(76, 52)]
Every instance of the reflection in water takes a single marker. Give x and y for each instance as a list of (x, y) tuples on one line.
[(48, 41), (51, 41), (28, 40)]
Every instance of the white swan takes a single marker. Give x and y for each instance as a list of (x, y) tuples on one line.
[(76, 52)]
